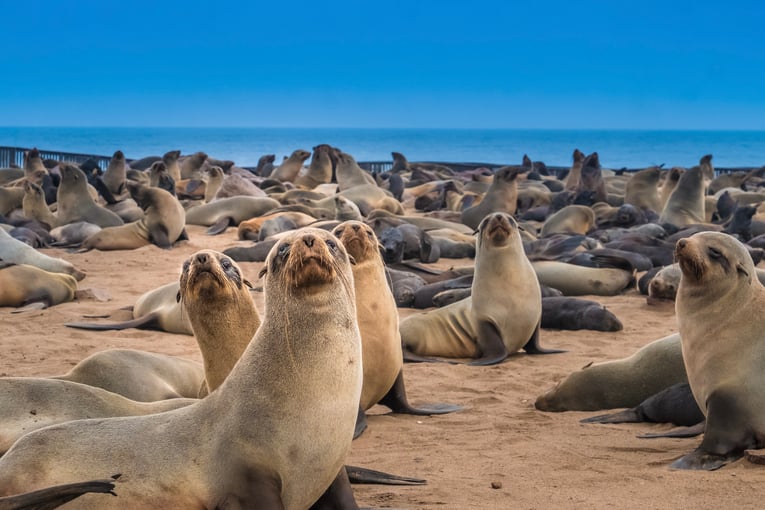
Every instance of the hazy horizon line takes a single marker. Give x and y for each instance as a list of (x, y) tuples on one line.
[(367, 128)]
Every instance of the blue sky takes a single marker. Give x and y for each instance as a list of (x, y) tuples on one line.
[(556, 64)]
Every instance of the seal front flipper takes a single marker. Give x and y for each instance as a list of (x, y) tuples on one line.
[(680, 432), (626, 416), (726, 435), (533, 347), (490, 345), (674, 404), (53, 497), (396, 400), (361, 423), (338, 496), (158, 235), (359, 475), (148, 321), (219, 226)]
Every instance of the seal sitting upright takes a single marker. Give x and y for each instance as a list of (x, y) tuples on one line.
[(503, 312), (719, 309), (274, 435)]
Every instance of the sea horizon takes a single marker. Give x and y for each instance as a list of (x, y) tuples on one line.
[(618, 148)]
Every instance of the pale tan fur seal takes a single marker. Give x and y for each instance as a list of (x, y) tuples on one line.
[(619, 383), (116, 174), (719, 312), (572, 179), (572, 219), (320, 169), (163, 223), (273, 435), (502, 314), (35, 207), (139, 375), (22, 285), (643, 189), (16, 252), (685, 205), (191, 166), (349, 173), (291, 167), (220, 214), (219, 307), (573, 280), (10, 199), (501, 197), (76, 204), (378, 323)]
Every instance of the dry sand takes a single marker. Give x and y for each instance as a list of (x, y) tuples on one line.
[(541, 460)]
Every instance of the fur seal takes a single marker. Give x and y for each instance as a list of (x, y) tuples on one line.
[(572, 179), (34, 206), (191, 166), (349, 174), (10, 199), (503, 312), (216, 298), (308, 379), (573, 280), (76, 204), (320, 169), (378, 324), (619, 383), (719, 304), (16, 252), (139, 375), (116, 174), (573, 314), (642, 189), (291, 167), (22, 285), (502, 196), (163, 223), (685, 205), (572, 219), (221, 214)]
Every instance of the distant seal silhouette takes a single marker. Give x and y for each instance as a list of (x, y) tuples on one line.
[(284, 385), (116, 174), (320, 169), (503, 312), (685, 205), (502, 196), (290, 168), (378, 324), (22, 285), (719, 304), (620, 383)]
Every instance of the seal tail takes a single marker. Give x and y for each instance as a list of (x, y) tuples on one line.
[(361, 475), (53, 497)]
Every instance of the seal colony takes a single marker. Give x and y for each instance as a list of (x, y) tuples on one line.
[(575, 238)]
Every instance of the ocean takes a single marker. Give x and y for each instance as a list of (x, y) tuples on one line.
[(617, 148)]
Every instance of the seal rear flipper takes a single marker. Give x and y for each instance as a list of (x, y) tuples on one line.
[(148, 321), (338, 496), (626, 416), (361, 475), (53, 497), (396, 400), (361, 423), (680, 432), (219, 226), (410, 357), (533, 347), (490, 345)]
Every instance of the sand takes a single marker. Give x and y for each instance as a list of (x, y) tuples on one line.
[(538, 460)]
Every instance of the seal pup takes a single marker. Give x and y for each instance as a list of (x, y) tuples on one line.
[(573, 314), (291, 167), (275, 433), (503, 312), (23, 285), (502, 196), (216, 298), (378, 323), (718, 305)]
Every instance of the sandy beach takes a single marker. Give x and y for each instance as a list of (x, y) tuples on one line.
[(538, 460)]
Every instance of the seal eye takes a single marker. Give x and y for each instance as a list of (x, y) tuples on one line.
[(332, 245), (225, 264), (714, 253), (283, 249)]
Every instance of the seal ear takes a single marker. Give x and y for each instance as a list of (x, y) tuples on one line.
[(178, 297), (353, 261), (263, 272), (246, 282)]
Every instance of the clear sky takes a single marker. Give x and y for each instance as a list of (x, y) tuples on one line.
[(472, 64)]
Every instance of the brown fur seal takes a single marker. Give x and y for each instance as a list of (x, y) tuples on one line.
[(221, 214), (10, 199), (620, 383), (34, 205), (591, 179), (350, 174), (572, 179), (643, 189), (139, 375), (573, 280), (301, 372), (116, 174), (320, 169), (291, 167), (503, 312), (191, 166), (33, 162), (719, 305), (16, 252), (163, 223), (685, 205), (76, 204), (250, 229), (501, 197), (378, 323), (572, 219), (22, 285), (216, 298), (156, 309)]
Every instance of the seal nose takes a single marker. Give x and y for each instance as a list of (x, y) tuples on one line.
[(356, 227), (201, 258), (309, 240)]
